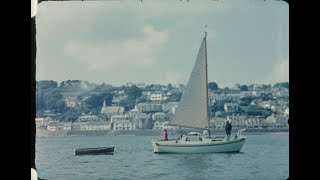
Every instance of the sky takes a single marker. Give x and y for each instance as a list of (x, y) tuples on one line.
[(116, 42)]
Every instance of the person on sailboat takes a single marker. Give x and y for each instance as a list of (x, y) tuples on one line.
[(165, 135), (228, 129), (179, 138)]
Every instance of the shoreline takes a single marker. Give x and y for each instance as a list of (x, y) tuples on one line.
[(40, 133)]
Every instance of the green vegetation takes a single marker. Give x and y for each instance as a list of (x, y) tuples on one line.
[(213, 86), (255, 111), (219, 106), (51, 96), (281, 85), (96, 100), (134, 93), (45, 85), (246, 101), (174, 97), (48, 98), (243, 88), (71, 115)]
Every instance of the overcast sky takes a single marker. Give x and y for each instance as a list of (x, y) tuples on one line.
[(157, 41)]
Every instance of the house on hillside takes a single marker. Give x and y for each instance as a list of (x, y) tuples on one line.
[(71, 101), (109, 111), (231, 107)]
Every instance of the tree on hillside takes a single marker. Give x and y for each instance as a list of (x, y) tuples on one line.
[(46, 84), (244, 88), (96, 100), (174, 97), (281, 85), (246, 101), (255, 111), (213, 86), (40, 102), (134, 93), (49, 100), (219, 106), (265, 86), (71, 115)]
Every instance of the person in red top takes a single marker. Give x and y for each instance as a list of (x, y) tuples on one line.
[(165, 135)]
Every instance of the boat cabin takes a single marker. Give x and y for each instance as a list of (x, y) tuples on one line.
[(193, 136)]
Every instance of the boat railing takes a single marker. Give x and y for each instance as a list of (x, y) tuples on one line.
[(240, 132)]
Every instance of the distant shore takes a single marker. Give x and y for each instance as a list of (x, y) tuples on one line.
[(147, 132)]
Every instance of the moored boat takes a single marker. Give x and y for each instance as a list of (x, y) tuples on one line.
[(99, 150)]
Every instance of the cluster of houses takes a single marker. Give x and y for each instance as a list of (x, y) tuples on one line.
[(155, 114)]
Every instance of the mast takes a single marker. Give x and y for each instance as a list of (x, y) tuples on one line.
[(206, 62)]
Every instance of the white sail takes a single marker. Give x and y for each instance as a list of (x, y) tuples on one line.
[(192, 111)]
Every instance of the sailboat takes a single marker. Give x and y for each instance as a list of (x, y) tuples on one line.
[(192, 112)]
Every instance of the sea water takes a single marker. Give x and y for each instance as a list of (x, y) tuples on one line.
[(264, 156)]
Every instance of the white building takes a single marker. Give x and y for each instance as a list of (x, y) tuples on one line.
[(141, 85), (159, 116), (71, 101), (170, 107), (43, 122), (282, 121), (256, 93), (238, 124), (214, 97), (124, 125), (174, 109), (231, 107), (146, 93), (233, 96), (87, 118), (286, 112), (95, 126), (148, 107), (218, 123), (245, 94), (265, 104), (133, 113), (115, 118), (39, 122), (52, 125), (109, 111), (253, 123), (141, 120), (164, 125), (67, 126), (78, 126), (158, 96), (270, 121)]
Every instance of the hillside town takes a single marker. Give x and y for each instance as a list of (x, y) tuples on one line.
[(81, 106)]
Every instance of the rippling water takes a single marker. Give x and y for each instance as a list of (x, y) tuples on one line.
[(262, 157)]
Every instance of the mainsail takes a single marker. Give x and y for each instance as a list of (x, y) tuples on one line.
[(192, 111)]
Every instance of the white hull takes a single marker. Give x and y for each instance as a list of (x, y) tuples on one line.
[(205, 146)]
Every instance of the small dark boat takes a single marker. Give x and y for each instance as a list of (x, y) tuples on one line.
[(99, 150)]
